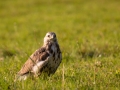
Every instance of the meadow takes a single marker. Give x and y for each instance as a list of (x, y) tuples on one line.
[(88, 32)]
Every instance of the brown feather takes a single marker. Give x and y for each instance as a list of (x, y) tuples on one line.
[(46, 59), (38, 55)]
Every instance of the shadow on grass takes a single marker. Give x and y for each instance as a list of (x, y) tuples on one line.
[(5, 52), (86, 50)]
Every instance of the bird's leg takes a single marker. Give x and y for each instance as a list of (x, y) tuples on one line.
[(35, 75)]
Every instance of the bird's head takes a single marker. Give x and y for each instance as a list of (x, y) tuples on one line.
[(50, 37)]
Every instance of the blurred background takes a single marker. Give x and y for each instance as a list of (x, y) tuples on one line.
[(72, 21), (86, 29)]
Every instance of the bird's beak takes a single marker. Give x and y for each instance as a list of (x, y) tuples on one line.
[(52, 37)]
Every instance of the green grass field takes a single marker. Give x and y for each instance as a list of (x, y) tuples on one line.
[(88, 33)]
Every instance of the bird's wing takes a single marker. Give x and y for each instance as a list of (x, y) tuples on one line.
[(38, 55)]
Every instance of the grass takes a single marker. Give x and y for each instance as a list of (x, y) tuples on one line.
[(88, 34)]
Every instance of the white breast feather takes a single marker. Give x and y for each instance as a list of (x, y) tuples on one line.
[(37, 67)]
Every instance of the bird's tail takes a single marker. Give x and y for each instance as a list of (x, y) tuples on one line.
[(21, 77)]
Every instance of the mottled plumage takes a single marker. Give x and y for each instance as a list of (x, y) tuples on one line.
[(46, 59)]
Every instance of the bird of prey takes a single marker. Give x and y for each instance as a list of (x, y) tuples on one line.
[(44, 60)]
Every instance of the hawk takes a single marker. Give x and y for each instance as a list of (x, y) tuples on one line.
[(44, 60)]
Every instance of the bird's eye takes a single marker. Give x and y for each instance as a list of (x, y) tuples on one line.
[(48, 35)]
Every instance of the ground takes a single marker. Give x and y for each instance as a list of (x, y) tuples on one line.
[(88, 32)]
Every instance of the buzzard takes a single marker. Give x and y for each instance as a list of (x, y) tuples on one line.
[(44, 60)]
